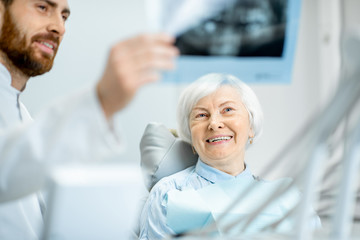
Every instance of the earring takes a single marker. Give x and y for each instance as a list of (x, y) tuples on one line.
[(251, 140), (193, 149)]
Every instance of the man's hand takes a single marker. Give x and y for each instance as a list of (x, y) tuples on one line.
[(131, 64)]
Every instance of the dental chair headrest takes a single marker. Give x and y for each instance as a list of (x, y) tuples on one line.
[(163, 154)]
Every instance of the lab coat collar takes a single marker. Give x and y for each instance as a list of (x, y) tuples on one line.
[(5, 80), (5, 74), (214, 175)]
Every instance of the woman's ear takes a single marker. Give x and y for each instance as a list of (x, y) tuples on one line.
[(251, 133), (251, 136)]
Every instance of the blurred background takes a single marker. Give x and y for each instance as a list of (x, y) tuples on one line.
[(94, 26)]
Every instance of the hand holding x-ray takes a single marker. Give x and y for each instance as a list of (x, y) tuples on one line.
[(131, 64)]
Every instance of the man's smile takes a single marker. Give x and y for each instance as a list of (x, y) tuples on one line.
[(46, 46)]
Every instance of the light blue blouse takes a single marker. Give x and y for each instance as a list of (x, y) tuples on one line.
[(153, 217), (154, 223)]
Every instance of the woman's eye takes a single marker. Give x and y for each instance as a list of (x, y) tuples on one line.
[(228, 109), (201, 115)]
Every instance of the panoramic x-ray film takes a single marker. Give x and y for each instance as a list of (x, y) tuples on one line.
[(252, 39)]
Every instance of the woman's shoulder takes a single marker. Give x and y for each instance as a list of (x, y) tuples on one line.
[(174, 181)]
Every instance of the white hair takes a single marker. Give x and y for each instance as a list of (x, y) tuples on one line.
[(208, 84)]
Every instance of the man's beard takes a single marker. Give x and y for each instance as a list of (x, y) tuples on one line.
[(23, 57)]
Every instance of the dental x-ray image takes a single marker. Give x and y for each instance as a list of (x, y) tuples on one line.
[(252, 39), (242, 28)]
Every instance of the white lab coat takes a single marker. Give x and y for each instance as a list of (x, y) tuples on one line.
[(73, 129)]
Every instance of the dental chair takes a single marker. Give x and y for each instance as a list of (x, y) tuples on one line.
[(163, 153)]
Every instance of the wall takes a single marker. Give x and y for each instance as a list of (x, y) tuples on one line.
[(93, 27)]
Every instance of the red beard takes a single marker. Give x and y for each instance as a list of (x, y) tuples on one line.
[(13, 44)]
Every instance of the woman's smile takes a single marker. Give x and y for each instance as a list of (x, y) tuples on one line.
[(219, 139)]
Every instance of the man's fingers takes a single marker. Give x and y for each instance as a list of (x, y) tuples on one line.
[(150, 51), (160, 38), (145, 41), (159, 58)]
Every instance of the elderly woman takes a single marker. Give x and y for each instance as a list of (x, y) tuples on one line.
[(220, 116)]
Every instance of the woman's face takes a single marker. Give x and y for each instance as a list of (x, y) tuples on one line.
[(220, 128)]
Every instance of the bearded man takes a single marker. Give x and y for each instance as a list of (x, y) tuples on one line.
[(77, 128)]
